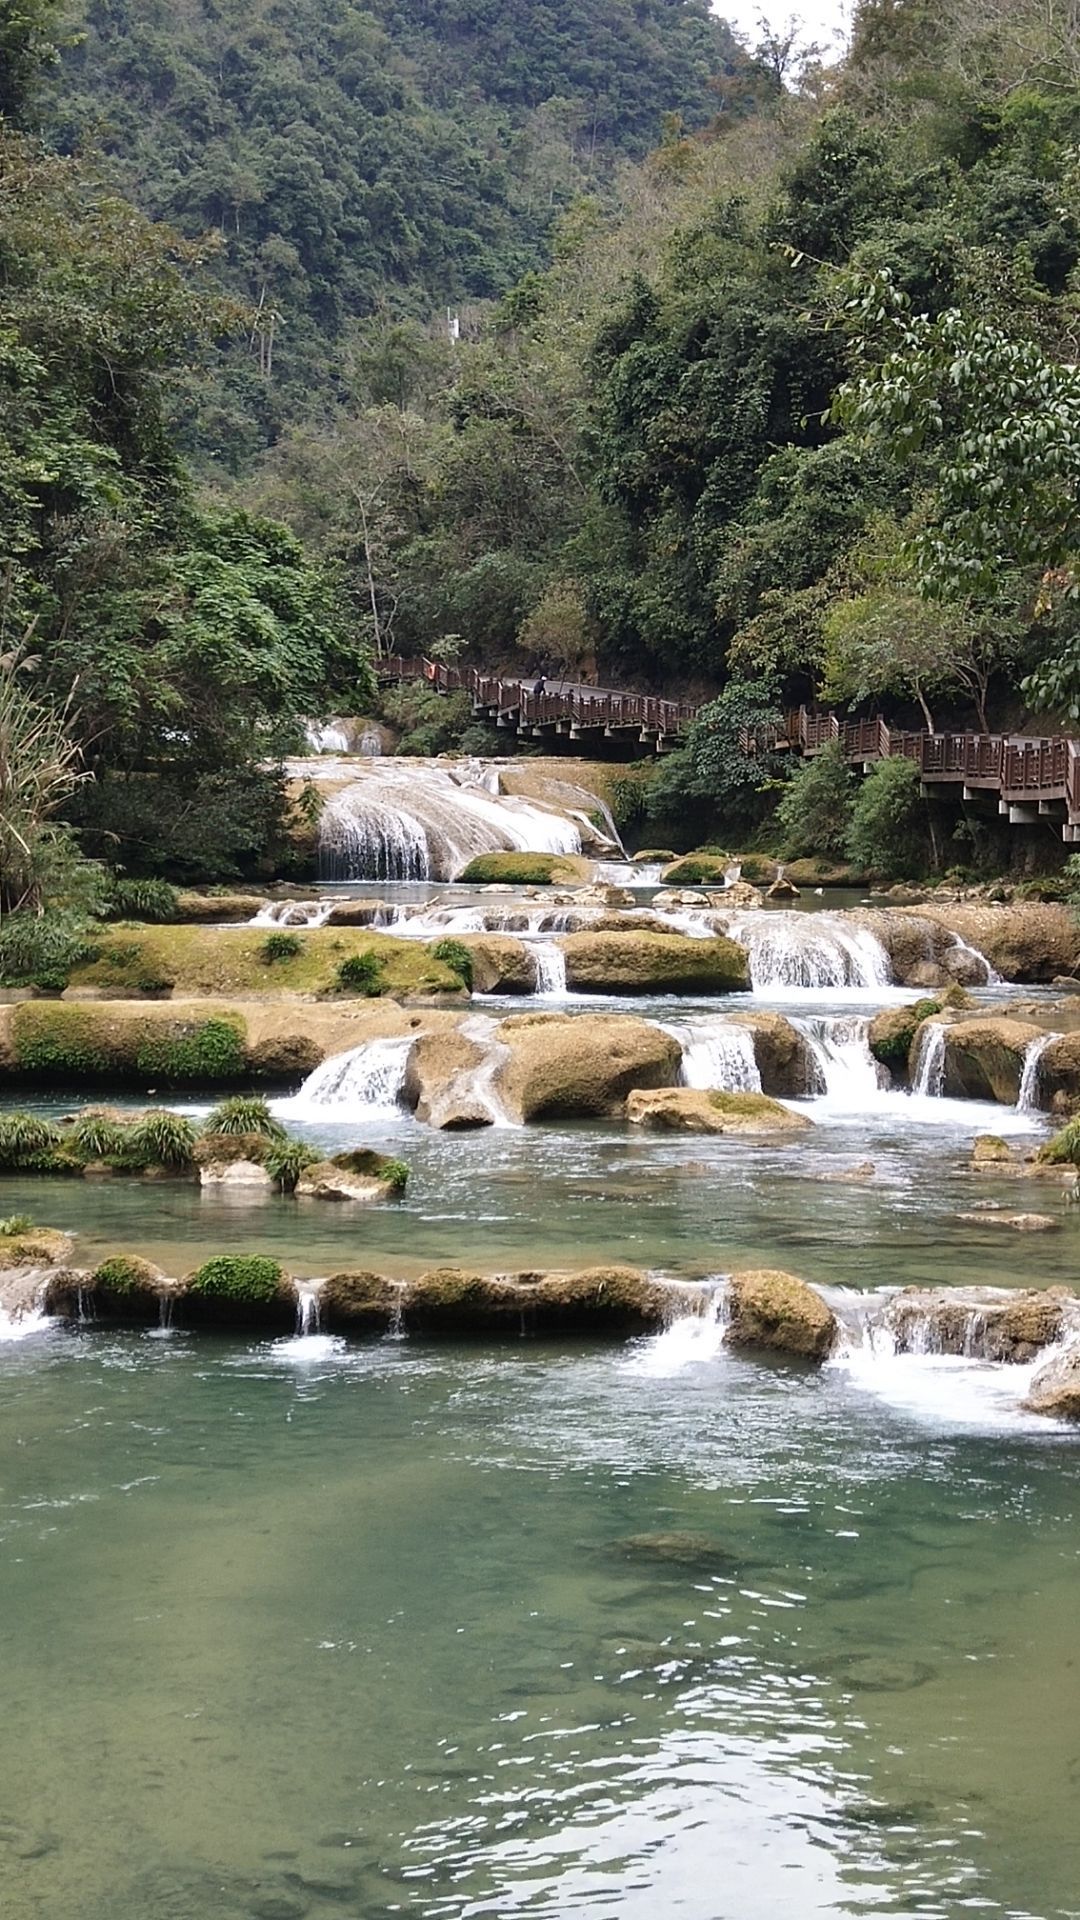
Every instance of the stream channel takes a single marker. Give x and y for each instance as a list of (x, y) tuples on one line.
[(313, 1628)]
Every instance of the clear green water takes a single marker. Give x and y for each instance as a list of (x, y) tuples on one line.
[(294, 1631)]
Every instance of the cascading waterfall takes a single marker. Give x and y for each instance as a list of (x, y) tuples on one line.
[(549, 970), (364, 1084), (733, 873), (426, 822), (326, 738), (812, 952), (307, 1310), (928, 1071), (293, 913), (371, 743), (979, 961), (716, 1055), (847, 1071), (1027, 1100), (689, 1339)]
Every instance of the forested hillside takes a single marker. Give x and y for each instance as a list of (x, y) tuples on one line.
[(347, 157)]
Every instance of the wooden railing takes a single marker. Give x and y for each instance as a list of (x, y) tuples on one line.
[(1040, 772), (562, 704), (1037, 771)]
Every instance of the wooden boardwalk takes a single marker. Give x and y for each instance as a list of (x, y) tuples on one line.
[(1029, 777)]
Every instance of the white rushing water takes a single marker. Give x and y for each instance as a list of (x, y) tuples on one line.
[(850, 1078), (327, 737), (689, 1340), (549, 965), (928, 1067), (716, 1054), (1027, 1100), (412, 820), (794, 953), (363, 1084), (293, 913)]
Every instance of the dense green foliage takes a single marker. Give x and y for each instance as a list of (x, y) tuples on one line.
[(814, 813), (350, 159), (239, 1280), (245, 1113)]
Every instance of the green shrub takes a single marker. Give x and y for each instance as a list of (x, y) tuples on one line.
[(1064, 1149), (286, 1161), (97, 1134), (26, 1140), (244, 1113), (361, 973), (14, 1224), (153, 900), (814, 814), (211, 1052), (41, 949), (697, 869), (161, 1138), (455, 955), (280, 946), (244, 1279), (888, 828)]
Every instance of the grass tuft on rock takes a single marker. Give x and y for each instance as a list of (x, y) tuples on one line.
[(1064, 1149), (238, 1279), (244, 1113)]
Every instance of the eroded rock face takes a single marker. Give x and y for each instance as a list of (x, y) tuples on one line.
[(1059, 1071), (501, 964), (325, 1181), (562, 1066), (1055, 1390), (653, 963), (236, 1174), (441, 1077), (695, 1110), (784, 1061), (984, 1058), (613, 1300), (981, 1324), (1029, 941), (777, 1310)]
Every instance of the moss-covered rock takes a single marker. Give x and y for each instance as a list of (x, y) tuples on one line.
[(36, 1247), (242, 1290), (202, 909), (698, 870), (653, 963), (360, 1302), (128, 1286), (562, 1066), (362, 1175), (894, 1031), (524, 870), (989, 1150), (777, 1310), (1059, 1071), (598, 1300), (694, 1110), (230, 962), (51, 1041)]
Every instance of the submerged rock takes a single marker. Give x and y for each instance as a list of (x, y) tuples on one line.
[(695, 1110), (325, 1180), (1055, 1390), (777, 1310), (840, 1176), (562, 1066), (654, 963), (1017, 1222), (697, 1552)]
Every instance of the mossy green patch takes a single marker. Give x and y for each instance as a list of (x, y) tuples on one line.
[(1064, 1149), (232, 961), (239, 1280), (376, 1166), (521, 870), (66, 1042)]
